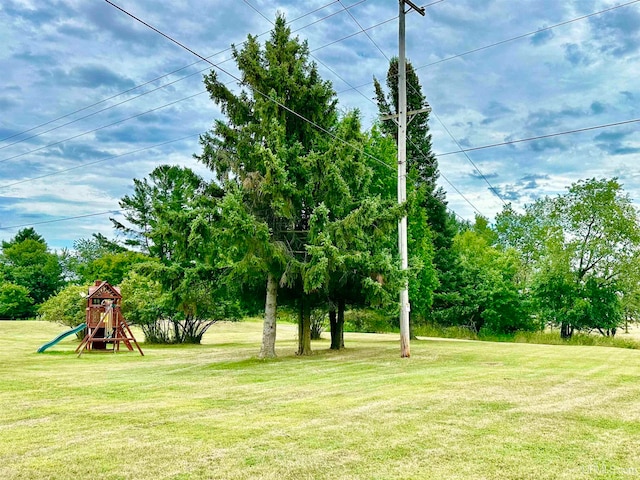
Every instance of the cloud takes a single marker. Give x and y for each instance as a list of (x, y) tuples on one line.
[(534, 176), (617, 148), (523, 188), (612, 135), (508, 194), (617, 31), (628, 95), (546, 144), (138, 134), (36, 16), (6, 103), (494, 111), (576, 55), (597, 108), (75, 152), (480, 176), (93, 76), (542, 37), (30, 57)]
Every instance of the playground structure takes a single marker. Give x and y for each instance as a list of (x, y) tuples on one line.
[(106, 327)]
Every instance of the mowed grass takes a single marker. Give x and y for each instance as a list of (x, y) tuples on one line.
[(454, 410)]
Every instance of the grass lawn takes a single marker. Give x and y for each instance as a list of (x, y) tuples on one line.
[(456, 409)]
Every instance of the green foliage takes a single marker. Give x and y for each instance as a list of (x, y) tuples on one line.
[(579, 251), (298, 206), (98, 258), (67, 307), (430, 228), (172, 216), (368, 321), (112, 267), (15, 301), (26, 261), (488, 298), (318, 323)]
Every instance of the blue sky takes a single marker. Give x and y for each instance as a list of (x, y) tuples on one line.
[(61, 56)]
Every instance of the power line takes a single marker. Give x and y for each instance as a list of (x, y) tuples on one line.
[(138, 115), (149, 111), (84, 165), (371, 39), (491, 187), (163, 76), (103, 110), (264, 95), (517, 37), (422, 154), (62, 219), (328, 16), (539, 137), (524, 35), (365, 32), (101, 128), (111, 157)]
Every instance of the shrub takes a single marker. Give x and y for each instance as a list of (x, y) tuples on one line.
[(367, 321), (15, 301), (67, 307)]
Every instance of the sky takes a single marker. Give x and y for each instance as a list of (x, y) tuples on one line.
[(91, 99)]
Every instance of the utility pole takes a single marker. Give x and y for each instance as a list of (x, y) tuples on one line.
[(405, 350)]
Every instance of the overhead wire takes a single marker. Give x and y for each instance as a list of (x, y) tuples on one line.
[(75, 217), (101, 110), (326, 45), (102, 127), (371, 39), (449, 58), (206, 59), (540, 137), (464, 151), (101, 160), (491, 187), (365, 32), (255, 90), (418, 149), (511, 39), (104, 100)]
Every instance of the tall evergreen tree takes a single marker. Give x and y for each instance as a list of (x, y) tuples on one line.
[(283, 177), (262, 154), (431, 230)]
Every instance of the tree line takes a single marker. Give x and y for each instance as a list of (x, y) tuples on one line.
[(301, 214)]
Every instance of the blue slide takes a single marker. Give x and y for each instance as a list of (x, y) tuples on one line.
[(77, 329)]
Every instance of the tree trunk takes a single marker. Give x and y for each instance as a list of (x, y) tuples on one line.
[(566, 330), (304, 327), (333, 327), (268, 349), (340, 323)]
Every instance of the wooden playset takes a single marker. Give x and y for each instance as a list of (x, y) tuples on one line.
[(106, 327)]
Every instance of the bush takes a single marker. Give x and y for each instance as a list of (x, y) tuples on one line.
[(67, 307), (15, 301), (318, 323), (367, 321)]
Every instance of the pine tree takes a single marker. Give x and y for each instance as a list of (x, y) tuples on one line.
[(431, 230), (262, 155)]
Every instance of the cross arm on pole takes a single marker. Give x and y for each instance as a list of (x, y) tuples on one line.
[(410, 115), (418, 9)]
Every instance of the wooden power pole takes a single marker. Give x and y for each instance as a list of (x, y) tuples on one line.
[(405, 350)]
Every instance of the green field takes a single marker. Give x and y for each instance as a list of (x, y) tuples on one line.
[(456, 409)]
